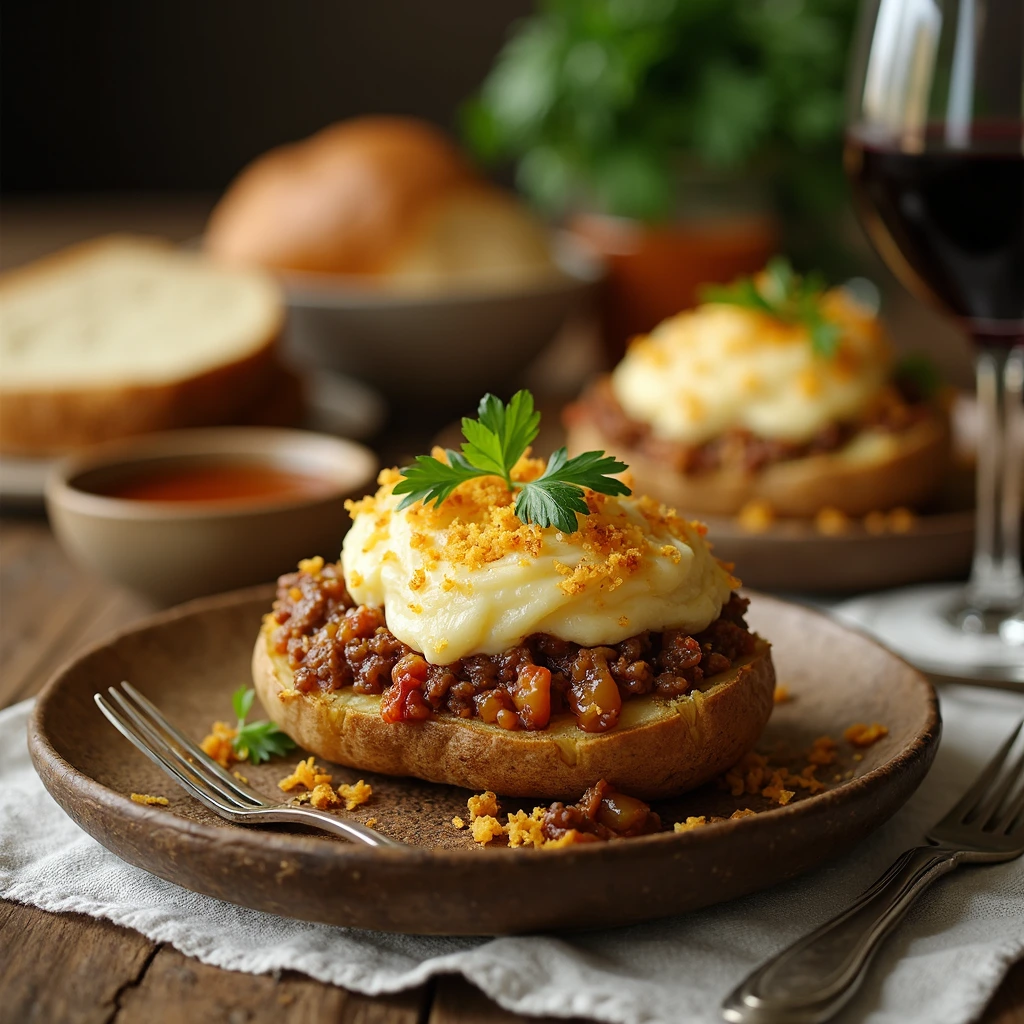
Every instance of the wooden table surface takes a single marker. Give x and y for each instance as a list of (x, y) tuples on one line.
[(71, 968)]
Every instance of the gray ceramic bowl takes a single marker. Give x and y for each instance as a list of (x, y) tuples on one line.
[(445, 348), (171, 551)]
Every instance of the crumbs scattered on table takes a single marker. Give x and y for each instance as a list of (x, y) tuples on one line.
[(219, 744), (861, 735), (150, 801), (370, 822), (458, 822), (782, 694)]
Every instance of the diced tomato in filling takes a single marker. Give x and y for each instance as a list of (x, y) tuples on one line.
[(331, 644)]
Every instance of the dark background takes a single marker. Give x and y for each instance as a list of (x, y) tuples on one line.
[(153, 94)]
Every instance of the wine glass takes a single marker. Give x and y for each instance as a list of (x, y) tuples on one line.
[(935, 153)]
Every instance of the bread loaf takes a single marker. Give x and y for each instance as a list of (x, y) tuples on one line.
[(127, 335), (389, 200)]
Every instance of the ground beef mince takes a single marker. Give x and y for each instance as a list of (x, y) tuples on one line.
[(896, 410), (332, 643), (601, 813)]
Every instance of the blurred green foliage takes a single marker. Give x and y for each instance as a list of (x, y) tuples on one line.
[(605, 101)]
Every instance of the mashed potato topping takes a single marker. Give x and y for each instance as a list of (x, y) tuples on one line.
[(469, 578), (721, 366)]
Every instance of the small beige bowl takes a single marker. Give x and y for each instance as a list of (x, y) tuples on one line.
[(171, 551)]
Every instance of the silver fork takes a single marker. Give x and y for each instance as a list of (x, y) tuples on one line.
[(814, 978), (139, 721)]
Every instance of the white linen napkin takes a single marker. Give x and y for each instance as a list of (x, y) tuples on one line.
[(941, 966)]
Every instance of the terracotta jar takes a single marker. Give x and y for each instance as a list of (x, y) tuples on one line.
[(657, 270)]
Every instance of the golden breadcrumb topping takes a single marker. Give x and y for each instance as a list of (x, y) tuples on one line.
[(831, 522), (150, 801), (691, 822), (306, 774), (355, 794), (484, 804), (755, 516), (823, 751), (782, 694), (861, 735), (218, 744), (321, 794), (323, 797), (485, 828)]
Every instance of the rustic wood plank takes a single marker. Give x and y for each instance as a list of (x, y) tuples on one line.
[(50, 609), (64, 967), (178, 990), (456, 1001), (41, 596)]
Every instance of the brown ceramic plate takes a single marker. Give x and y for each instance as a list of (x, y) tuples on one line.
[(190, 659), (793, 555)]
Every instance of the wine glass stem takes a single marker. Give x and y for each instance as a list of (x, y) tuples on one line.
[(996, 582)]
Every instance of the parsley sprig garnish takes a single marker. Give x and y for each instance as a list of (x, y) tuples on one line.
[(257, 741), (494, 444), (786, 295)]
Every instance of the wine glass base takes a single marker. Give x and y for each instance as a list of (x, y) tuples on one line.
[(930, 627), (1007, 625)]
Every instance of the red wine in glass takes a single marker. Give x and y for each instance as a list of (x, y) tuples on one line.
[(950, 222)]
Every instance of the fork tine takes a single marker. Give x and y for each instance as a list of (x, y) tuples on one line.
[(191, 783), (1013, 819), (156, 718), (997, 794), (157, 741), (971, 799)]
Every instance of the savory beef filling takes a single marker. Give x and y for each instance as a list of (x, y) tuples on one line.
[(332, 643), (602, 813), (894, 412)]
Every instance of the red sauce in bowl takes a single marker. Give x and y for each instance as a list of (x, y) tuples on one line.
[(214, 482)]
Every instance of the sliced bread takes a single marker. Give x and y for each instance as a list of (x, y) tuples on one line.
[(126, 335)]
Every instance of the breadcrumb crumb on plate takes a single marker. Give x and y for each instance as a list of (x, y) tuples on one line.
[(485, 828), (150, 801), (355, 795), (861, 735), (219, 744)]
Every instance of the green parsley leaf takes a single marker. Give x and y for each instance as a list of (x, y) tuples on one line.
[(241, 701), (430, 480), (494, 444), (782, 293), (551, 503), (260, 741), (498, 439), (257, 741)]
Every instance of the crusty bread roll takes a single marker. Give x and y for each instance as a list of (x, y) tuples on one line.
[(388, 199), (660, 747), (874, 471), (126, 335)]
